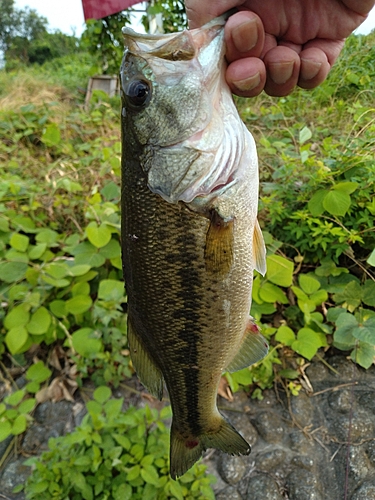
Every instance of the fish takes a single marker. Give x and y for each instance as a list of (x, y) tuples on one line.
[(190, 236)]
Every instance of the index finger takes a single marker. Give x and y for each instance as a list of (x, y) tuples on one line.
[(200, 12)]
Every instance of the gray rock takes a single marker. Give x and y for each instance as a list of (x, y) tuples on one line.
[(300, 443), (303, 462), (270, 427), (342, 401), (303, 409), (317, 372), (303, 485), (359, 427), (15, 473), (231, 468), (367, 400), (229, 493), (365, 492), (262, 487), (268, 461)]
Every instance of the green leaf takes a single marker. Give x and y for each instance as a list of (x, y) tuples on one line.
[(308, 284), (35, 252), (176, 490), (337, 203), (366, 331), (272, 293), (98, 236), (123, 492), (371, 258), (315, 204), (10, 272), (51, 135), (363, 354), (19, 242), (346, 187), (368, 293), (16, 338), (319, 297), (334, 312), (58, 308), (304, 135), (285, 335), (57, 271), (149, 475), (133, 473), (38, 372), (289, 373), (78, 304), (350, 297), (102, 394), (39, 322), (307, 343), (279, 270), (86, 343), (19, 425), (48, 236), (18, 316), (5, 430), (15, 398), (27, 406), (111, 290), (345, 324), (79, 270)]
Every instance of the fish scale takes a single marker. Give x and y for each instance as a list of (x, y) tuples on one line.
[(188, 267)]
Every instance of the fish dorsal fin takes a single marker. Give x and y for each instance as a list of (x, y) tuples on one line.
[(259, 250), (252, 349), (218, 252), (147, 371)]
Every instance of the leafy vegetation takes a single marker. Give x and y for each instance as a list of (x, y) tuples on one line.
[(61, 285)]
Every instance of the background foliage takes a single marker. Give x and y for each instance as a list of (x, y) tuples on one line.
[(63, 314)]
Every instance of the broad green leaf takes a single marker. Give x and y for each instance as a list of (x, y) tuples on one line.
[(176, 490), (15, 398), (111, 250), (85, 342), (304, 135), (79, 270), (51, 135), (363, 354), (334, 312), (346, 187), (16, 338), (319, 297), (300, 294), (102, 394), (345, 324), (133, 473), (5, 430), (308, 284), (307, 343), (18, 316), (58, 308), (289, 373), (57, 283), (123, 492), (98, 236), (10, 272), (87, 254), (39, 322), (111, 191), (279, 270), (371, 258), (82, 288), (35, 252), (47, 236), (149, 475), (337, 203), (285, 335), (19, 241), (19, 425), (306, 306), (27, 406), (57, 271), (329, 268), (272, 293), (366, 331), (38, 372), (368, 293), (350, 297), (78, 304), (315, 204), (111, 290)]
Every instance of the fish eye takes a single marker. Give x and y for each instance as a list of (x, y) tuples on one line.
[(138, 93)]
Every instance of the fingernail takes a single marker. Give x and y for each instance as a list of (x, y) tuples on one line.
[(281, 72), (245, 35), (309, 69), (248, 83)]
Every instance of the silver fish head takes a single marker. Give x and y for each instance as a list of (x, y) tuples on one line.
[(172, 92)]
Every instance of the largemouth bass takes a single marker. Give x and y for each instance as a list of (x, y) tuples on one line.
[(190, 235)]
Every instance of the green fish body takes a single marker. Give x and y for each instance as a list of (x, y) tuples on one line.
[(190, 235)]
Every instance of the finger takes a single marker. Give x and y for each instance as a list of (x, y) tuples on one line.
[(314, 68), (199, 12), (244, 36), (246, 77), (283, 66)]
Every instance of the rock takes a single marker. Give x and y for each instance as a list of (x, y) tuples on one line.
[(341, 401), (262, 487), (303, 462), (317, 372), (270, 427), (367, 400), (229, 493), (359, 427), (303, 409), (300, 443), (270, 460), (15, 473), (231, 468), (365, 492), (303, 485)]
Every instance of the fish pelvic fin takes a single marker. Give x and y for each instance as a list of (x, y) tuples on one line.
[(184, 452), (219, 245), (148, 372), (253, 348), (259, 250)]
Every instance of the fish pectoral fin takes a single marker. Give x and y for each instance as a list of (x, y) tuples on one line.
[(253, 348), (149, 374), (259, 250), (185, 452), (218, 251)]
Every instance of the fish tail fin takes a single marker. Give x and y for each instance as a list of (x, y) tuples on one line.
[(185, 452)]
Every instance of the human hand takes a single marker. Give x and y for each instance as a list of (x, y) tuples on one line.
[(274, 45)]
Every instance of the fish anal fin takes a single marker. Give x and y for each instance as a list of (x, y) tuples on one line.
[(259, 250), (218, 252), (149, 374), (184, 452), (252, 349)]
